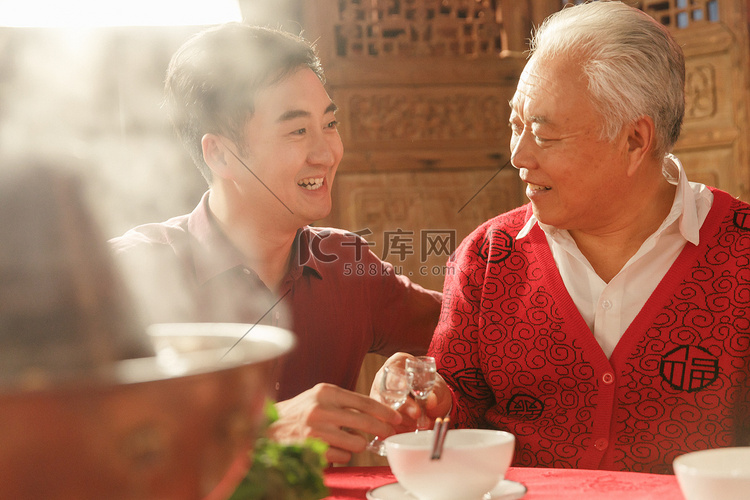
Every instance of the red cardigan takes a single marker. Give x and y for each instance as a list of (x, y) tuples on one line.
[(518, 355)]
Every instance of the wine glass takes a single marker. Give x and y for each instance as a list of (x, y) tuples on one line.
[(393, 390), (422, 373)]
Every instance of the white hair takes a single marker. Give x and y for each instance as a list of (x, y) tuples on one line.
[(633, 65)]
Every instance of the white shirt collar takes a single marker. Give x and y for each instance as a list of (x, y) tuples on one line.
[(684, 207)]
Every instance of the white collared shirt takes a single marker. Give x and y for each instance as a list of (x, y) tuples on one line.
[(609, 308)]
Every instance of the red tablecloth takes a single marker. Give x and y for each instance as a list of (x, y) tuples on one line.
[(352, 483)]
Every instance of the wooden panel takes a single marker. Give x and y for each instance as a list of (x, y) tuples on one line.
[(416, 219), (425, 127), (417, 41), (681, 14), (715, 134), (418, 28), (706, 165)]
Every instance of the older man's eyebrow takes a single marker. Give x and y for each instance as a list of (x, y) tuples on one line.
[(301, 113), (539, 119)]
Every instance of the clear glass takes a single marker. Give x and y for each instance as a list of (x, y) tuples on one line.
[(422, 373), (393, 390)]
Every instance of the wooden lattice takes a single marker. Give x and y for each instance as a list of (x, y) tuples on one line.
[(682, 13), (386, 28), (678, 14)]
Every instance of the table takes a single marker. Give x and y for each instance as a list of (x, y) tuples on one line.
[(352, 483)]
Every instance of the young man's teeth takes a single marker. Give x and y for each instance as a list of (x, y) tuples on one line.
[(536, 187), (311, 183)]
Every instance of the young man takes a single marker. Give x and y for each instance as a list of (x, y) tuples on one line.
[(250, 105), (606, 323)]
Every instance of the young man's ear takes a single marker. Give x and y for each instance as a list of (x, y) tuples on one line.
[(641, 142), (215, 155)]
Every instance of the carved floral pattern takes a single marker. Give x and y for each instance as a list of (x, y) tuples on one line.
[(428, 116), (700, 92)]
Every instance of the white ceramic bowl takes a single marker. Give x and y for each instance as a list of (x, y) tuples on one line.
[(472, 463), (717, 474)]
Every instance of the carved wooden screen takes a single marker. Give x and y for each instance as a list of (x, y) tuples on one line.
[(714, 36), (418, 28), (714, 141)]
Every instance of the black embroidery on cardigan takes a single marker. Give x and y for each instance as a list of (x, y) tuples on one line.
[(471, 382), (689, 368), (497, 246), (742, 220), (524, 407)]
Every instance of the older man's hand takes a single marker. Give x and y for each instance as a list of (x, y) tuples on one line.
[(337, 416)]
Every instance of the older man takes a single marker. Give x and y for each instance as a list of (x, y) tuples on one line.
[(605, 323), (250, 106)]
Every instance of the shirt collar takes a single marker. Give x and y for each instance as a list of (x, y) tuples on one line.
[(304, 261), (684, 206), (214, 254)]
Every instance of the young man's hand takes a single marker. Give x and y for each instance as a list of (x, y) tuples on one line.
[(342, 418)]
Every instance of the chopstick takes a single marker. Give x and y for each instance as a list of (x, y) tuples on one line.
[(441, 429)]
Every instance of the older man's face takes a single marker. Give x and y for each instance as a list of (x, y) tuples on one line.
[(573, 177)]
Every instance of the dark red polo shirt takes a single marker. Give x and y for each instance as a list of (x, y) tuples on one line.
[(338, 297)]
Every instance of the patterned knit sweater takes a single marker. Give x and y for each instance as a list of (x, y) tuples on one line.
[(518, 356)]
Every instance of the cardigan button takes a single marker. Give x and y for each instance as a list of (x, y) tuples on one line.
[(601, 444), (608, 378)]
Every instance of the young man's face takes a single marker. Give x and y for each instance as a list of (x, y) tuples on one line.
[(293, 147)]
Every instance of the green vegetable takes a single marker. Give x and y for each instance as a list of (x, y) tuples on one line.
[(284, 471)]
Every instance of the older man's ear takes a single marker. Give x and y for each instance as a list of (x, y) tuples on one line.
[(641, 142)]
